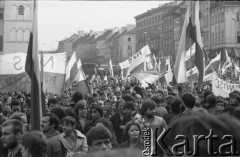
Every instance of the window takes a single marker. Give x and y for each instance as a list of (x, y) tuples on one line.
[(1, 13), (1, 43), (238, 16), (129, 39), (129, 47), (238, 37), (20, 10)]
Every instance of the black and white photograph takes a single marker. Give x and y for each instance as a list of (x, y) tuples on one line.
[(84, 78)]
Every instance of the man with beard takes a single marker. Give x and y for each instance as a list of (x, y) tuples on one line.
[(149, 120), (11, 133)]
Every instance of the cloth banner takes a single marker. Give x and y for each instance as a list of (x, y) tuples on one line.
[(223, 88), (14, 78)]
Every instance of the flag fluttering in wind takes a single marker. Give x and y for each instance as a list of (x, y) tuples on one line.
[(79, 83), (199, 55), (111, 68), (32, 69), (226, 64), (180, 67), (169, 74), (190, 33), (72, 68), (213, 65)]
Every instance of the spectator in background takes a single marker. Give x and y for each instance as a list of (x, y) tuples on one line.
[(77, 96), (15, 106), (60, 113), (129, 109), (99, 138), (119, 120), (80, 114), (189, 103), (22, 118), (96, 112), (161, 111), (76, 141), (52, 102), (34, 144), (174, 110)]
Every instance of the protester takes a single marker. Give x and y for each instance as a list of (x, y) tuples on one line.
[(99, 138), (12, 131), (56, 146), (76, 141), (80, 114), (132, 133), (119, 120)]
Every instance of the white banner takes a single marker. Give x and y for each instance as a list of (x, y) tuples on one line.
[(223, 88), (12, 63), (54, 63)]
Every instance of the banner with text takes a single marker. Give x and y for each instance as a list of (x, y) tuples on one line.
[(223, 88), (14, 78)]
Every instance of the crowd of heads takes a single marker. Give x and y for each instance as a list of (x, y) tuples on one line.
[(113, 116)]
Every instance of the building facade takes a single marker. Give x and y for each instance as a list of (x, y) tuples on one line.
[(17, 25), (225, 27), (150, 28)]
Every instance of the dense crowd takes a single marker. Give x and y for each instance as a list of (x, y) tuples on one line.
[(113, 117)]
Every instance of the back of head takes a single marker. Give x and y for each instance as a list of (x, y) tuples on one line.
[(59, 111), (175, 105), (128, 97), (52, 101), (77, 96), (189, 100), (116, 153), (211, 100), (35, 142), (205, 127)]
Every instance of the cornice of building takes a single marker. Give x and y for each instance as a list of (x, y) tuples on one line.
[(159, 9)]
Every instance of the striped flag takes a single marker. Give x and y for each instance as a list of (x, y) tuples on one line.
[(71, 70), (226, 64), (79, 84), (213, 65), (169, 74), (190, 33), (111, 68), (199, 54), (32, 69), (180, 67)]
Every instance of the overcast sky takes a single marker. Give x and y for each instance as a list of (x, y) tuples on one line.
[(60, 19)]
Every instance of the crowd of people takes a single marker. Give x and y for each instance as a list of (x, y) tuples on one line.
[(113, 117)]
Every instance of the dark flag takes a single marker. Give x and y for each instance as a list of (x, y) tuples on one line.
[(32, 69)]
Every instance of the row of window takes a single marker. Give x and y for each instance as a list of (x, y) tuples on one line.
[(149, 20), (20, 13), (19, 35)]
